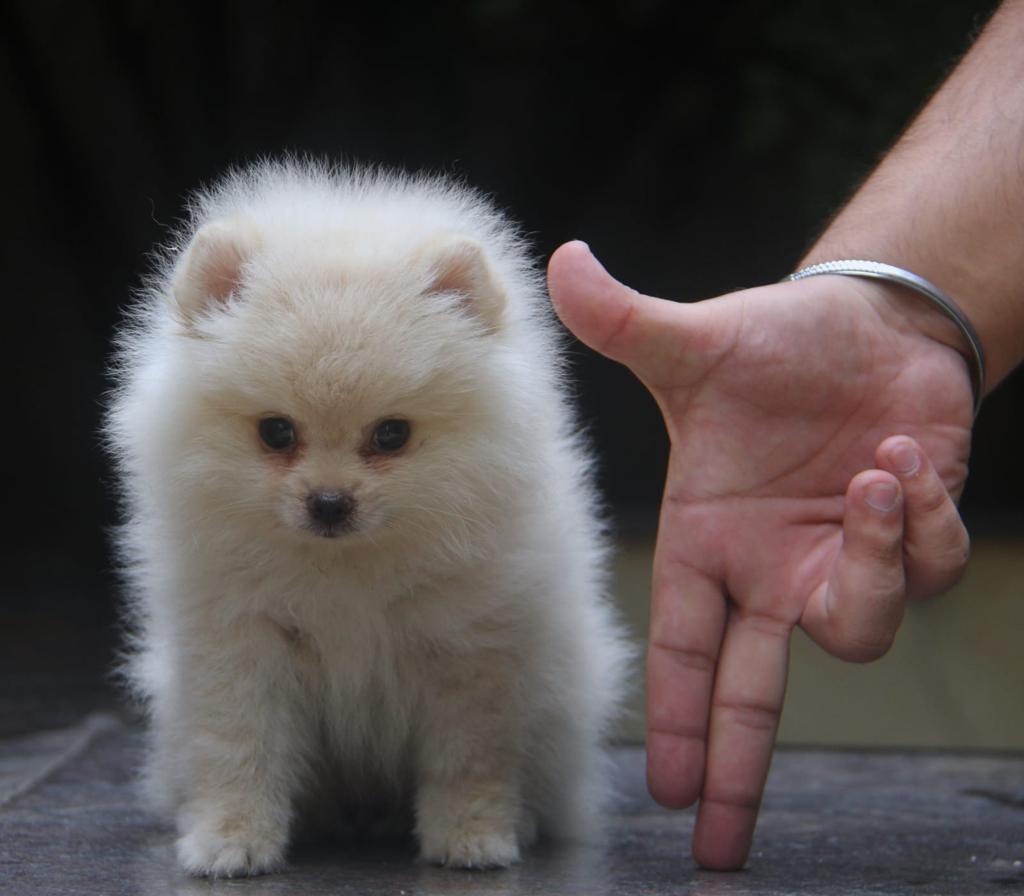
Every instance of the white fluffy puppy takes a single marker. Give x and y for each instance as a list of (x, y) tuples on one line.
[(362, 546)]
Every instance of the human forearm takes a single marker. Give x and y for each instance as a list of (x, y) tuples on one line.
[(948, 200)]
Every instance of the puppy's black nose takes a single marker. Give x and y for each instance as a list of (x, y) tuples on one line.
[(330, 509)]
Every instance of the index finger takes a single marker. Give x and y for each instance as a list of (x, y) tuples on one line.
[(687, 621)]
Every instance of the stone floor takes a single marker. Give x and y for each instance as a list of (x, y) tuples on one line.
[(832, 823)]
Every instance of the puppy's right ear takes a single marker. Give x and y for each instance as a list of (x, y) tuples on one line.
[(211, 268)]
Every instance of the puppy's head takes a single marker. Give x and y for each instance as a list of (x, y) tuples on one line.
[(351, 389)]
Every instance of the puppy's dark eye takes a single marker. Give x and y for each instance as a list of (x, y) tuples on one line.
[(277, 433), (389, 436)]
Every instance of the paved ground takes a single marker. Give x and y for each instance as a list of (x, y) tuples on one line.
[(833, 823)]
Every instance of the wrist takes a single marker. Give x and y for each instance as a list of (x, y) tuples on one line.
[(903, 309), (933, 305), (914, 324), (986, 290)]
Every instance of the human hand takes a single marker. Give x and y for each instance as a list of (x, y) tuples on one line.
[(820, 432)]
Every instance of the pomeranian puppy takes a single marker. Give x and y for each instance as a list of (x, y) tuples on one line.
[(367, 576)]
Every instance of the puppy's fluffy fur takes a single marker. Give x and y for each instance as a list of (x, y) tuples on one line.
[(442, 645)]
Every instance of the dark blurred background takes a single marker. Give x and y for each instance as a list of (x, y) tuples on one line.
[(697, 147)]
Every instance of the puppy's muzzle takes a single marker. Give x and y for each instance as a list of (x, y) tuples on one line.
[(331, 512)]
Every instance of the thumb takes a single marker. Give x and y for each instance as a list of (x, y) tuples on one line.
[(615, 320)]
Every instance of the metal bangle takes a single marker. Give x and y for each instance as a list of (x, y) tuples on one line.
[(880, 271)]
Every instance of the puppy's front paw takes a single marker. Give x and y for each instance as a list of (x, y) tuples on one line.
[(230, 850), (469, 843)]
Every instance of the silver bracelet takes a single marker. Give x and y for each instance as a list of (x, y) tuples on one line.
[(879, 271)]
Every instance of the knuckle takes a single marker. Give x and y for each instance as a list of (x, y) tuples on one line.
[(677, 730), (881, 549), (937, 560), (937, 572), (734, 799), (753, 716), (928, 496), (864, 649), (955, 560), (768, 625), (685, 658), (868, 633), (887, 552)]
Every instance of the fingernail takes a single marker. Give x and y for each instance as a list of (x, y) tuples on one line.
[(882, 496), (585, 245), (906, 459)]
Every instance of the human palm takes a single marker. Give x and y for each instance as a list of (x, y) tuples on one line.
[(818, 430)]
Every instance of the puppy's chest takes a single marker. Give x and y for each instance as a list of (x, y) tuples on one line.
[(358, 674)]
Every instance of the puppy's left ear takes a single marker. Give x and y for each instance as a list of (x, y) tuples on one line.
[(458, 264)]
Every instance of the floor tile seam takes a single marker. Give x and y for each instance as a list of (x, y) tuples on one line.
[(82, 736)]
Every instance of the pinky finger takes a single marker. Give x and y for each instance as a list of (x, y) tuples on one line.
[(935, 545)]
